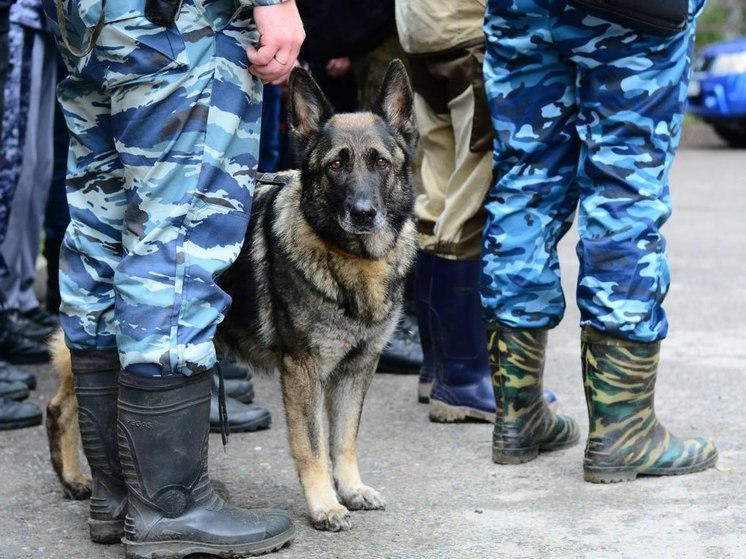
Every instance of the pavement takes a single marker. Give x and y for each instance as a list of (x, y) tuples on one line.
[(445, 498)]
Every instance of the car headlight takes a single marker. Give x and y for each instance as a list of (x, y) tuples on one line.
[(729, 64)]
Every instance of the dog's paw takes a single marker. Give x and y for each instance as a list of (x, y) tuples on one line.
[(77, 488), (335, 519), (363, 498)]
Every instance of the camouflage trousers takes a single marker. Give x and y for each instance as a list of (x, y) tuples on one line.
[(16, 94), (164, 126), (587, 118)]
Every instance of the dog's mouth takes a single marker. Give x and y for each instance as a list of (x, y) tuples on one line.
[(357, 225)]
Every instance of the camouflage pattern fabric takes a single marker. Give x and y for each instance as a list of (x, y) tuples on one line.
[(14, 116), (164, 126), (524, 423), (588, 117), (626, 439)]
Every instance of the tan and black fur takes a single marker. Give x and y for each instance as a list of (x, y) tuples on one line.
[(316, 290)]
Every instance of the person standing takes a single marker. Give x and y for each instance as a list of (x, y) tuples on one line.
[(444, 44), (15, 383), (163, 104), (587, 116)]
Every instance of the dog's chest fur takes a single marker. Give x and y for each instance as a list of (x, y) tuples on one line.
[(295, 296)]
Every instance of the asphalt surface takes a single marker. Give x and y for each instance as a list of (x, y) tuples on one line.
[(445, 498)]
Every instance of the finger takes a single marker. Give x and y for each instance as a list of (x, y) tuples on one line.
[(270, 72), (261, 56)]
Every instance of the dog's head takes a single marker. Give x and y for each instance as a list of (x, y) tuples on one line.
[(355, 168)]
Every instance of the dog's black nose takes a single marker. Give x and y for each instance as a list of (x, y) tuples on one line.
[(362, 210)]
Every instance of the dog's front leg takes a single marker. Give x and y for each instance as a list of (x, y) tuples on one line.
[(345, 395), (303, 398)]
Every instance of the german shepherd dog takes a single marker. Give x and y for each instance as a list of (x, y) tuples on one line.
[(316, 290)]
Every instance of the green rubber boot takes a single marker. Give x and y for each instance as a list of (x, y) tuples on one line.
[(626, 439), (524, 423)]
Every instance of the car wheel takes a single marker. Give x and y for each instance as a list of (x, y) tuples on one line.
[(734, 138)]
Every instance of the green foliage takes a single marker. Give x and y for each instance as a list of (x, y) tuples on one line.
[(721, 19)]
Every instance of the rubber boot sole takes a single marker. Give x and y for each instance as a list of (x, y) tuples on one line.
[(182, 549), (508, 456), (617, 474), (446, 413), (20, 423)]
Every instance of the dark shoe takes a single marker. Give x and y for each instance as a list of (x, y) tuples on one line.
[(97, 393), (13, 390), (19, 350), (241, 390), (14, 322), (173, 508), (9, 373), (241, 418), (403, 353), (41, 317), (462, 386), (233, 370), (16, 415)]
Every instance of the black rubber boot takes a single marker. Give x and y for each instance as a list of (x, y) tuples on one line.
[(96, 388), (173, 509)]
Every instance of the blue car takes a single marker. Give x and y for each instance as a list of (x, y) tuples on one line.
[(717, 91)]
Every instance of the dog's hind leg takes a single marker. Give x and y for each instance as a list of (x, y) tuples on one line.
[(345, 397), (63, 433), (303, 398)]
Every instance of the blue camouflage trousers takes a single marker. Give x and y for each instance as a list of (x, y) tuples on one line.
[(587, 117), (164, 126)]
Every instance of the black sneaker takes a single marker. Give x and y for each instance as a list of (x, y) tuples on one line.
[(403, 353), (233, 370), (16, 415), (9, 373), (41, 317), (14, 322), (19, 350), (241, 418), (241, 390), (13, 390)]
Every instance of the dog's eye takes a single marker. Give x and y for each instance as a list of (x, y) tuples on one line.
[(381, 163), (336, 165)]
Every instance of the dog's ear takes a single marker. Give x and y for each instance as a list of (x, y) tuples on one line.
[(395, 102), (308, 107)]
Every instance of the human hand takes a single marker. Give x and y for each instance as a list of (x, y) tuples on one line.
[(281, 35), (338, 67)]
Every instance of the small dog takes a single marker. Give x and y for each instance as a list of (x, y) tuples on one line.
[(317, 289)]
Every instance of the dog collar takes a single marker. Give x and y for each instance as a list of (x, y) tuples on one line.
[(336, 250)]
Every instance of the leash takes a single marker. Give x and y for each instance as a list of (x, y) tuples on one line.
[(62, 22), (222, 411)]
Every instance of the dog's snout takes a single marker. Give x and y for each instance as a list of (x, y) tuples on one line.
[(363, 210)]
